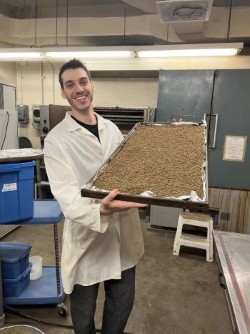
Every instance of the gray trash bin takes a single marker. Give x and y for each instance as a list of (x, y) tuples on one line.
[(20, 329)]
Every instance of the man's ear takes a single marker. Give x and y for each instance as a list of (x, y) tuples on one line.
[(63, 94), (92, 85)]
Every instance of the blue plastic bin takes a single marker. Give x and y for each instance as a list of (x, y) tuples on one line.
[(16, 191), (14, 287), (14, 258)]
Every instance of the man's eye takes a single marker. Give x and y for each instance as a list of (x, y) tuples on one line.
[(84, 82), (69, 85)]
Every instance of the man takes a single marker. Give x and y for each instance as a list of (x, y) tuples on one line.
[(102, 240)]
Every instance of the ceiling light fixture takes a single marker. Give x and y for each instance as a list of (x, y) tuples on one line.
[(190, 50), (65, 53), (153, 51), (88, 54), (19, 54)]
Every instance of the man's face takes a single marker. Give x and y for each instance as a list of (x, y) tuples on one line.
[(77, 89)]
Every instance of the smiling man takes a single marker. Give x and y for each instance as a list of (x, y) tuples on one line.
[(102, 240)]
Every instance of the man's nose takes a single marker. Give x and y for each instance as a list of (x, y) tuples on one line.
[(79, 87)]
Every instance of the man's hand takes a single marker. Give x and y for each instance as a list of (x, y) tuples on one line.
[(109, 205)]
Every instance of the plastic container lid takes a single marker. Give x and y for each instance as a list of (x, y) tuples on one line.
[(12, 252), (15, 166)]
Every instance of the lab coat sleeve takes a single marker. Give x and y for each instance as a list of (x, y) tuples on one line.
[(67, 192)]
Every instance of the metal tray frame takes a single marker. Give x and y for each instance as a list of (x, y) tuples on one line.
[(86, 191)]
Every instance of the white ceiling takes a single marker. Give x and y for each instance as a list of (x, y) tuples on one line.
[(116, 22)]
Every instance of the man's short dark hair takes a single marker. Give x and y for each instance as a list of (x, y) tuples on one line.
[(72, 64)]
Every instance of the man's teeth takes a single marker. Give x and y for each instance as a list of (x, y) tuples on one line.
[(81, 97)]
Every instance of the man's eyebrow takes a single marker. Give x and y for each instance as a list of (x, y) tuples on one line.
[(68, 81)]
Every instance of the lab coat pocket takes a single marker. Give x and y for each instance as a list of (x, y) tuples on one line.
[(82, 236)]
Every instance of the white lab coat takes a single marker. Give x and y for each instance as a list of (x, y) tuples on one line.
[(95, 248)]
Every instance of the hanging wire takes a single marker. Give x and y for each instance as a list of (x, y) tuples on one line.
[(229, 19), (56, 44), (124, 26), (67, 23), (36, 12), (167, 33)]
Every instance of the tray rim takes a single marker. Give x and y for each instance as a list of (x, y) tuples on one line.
[(185, 204)]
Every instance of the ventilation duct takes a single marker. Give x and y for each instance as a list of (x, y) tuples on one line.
[(171, 11)]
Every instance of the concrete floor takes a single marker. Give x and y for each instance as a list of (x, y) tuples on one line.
[(174, 294)]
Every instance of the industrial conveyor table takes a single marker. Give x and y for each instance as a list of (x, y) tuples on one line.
[(233, 250)]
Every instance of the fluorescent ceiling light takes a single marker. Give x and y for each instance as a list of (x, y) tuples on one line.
[(188, 50), (12, 54), (88, 54), (187, 53), (65, 53), (180, 50)]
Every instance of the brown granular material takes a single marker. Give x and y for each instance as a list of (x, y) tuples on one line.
[(165, 159)]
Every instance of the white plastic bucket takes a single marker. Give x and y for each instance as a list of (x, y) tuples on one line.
[(21, 329), (36, 269)]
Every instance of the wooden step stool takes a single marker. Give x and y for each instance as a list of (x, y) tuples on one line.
[(191, 240)]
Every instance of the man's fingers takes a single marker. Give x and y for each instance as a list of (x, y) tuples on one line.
[(109, 198), (109, 203), (135, 205)]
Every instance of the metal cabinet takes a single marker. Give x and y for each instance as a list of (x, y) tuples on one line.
[(191, 95), (8, 117), (7, 96), (231, 101), (184, 94), (164, 216), (223, 98)]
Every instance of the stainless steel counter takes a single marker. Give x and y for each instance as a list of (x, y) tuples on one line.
[(233, 250)]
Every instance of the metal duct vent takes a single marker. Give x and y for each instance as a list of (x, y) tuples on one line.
[(184, 10)]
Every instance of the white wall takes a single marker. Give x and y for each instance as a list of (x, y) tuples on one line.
[(126, 92)]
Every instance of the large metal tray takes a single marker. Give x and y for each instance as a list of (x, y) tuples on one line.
[(185, 201)]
